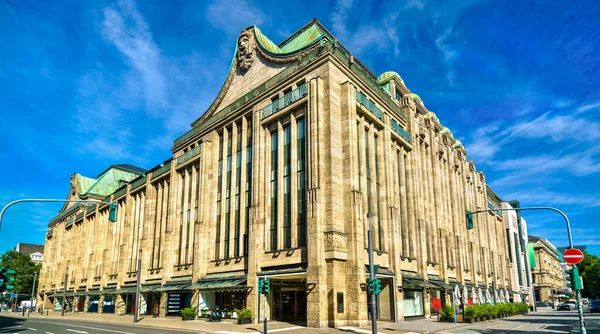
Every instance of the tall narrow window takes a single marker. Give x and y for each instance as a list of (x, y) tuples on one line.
[(181, 216), (228, 199), (368, 172), (248, 183), (238, 182), (406, 199), (219, 189), (188, 223), (358, 155), (287, 184), (400, 211), (301, 151), (377, 187), (274, 153)]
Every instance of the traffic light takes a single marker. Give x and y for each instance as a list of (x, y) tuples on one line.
[(264, 286), (374, 285), (112, 212), (4, 278), (573, 280), (469, 220)]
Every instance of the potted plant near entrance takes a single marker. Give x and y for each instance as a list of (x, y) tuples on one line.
[(188, 313), (244, 316)]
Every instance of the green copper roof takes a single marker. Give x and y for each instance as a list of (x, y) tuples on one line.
[(431, 115), (84, 183), (302, 39), (107, 182), (415, 97), (445, 130), (458, 144), (387, 76)]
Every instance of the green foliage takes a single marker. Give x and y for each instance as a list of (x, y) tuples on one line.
[(589, 269), (24, 270), (488, 310), (244, 313), (448, 312), (188, 312), (470, 311)]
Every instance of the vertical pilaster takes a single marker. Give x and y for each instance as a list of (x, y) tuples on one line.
[(316, 271)]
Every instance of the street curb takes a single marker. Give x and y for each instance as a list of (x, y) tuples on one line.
[(99, 322)]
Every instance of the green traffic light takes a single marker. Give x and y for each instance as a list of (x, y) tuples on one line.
[(469, 220), (112, 212)]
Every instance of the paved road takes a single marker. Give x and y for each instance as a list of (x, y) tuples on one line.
[(60, 326), (540, 322)]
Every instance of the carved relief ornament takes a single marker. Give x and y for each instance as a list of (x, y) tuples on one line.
[(246, 50)]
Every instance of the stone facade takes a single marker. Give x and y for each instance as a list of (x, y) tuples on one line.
[(276, 180), (548, 274)]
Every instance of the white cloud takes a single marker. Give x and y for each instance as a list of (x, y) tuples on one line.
[(587, 107), (111, 101), (232, 16), (125, 27), (338, 17), (543, 197)]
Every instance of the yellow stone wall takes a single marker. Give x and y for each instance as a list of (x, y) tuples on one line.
[(422, 201)]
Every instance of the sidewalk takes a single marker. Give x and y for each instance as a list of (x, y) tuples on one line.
[(421, 326), (196, 326)]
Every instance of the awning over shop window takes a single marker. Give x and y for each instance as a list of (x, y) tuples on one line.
[(441, 284), (70, 293), (80, 293), (108, 291), (126, 290), (221, 285), (419, 283), (94, 292), (173, 287), (281, 270), (176, 283), (148, 288)]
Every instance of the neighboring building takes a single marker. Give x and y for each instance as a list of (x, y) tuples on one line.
[(517, 242), (547, 271), (36, 252), (275, 180)]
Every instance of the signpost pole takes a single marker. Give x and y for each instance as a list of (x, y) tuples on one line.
[(372, 275), (580, 309)]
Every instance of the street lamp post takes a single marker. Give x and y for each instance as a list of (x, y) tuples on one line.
[(580, 308), (32, 290), (137, 287), (372, 275), (64, 300)]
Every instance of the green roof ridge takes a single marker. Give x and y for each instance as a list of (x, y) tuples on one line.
[(308, 35)]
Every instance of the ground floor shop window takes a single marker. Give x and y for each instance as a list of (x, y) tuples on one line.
[(57, 304), (92, 304), (228, 301), (152, 302), (78, 304), (438, 300), (413, 303), (129, 303), (178, 301), (108, 305)]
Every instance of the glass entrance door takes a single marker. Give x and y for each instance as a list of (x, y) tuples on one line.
[(289, 301)]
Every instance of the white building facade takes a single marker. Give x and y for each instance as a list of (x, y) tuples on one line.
[(517, 241)]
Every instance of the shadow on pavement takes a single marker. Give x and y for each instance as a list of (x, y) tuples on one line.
[(11, 325)]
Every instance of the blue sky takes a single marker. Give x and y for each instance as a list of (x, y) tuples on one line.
[(87, 85)]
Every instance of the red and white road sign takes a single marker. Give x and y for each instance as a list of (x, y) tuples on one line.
[(573, 256)]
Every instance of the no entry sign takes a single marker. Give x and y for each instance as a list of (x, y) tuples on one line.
[(573, 256)]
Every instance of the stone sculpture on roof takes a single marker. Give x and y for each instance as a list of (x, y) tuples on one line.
[(245, 53)]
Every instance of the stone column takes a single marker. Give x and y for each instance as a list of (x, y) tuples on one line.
[(316, 271)]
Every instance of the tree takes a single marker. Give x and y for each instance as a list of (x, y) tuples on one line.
[(589, 269), (24, 270)]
